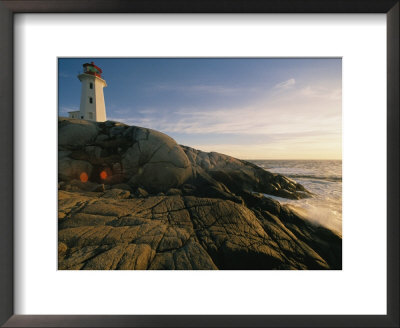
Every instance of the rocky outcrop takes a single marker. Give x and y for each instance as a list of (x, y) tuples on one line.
[(115, 231), (154, 161), (238, 175), (79, 133), (148, 159), (136, 156), (149, 203)]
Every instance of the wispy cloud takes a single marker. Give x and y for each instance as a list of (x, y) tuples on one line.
[(271, 122), (201, 88), (305, 123), (321, 92), (286, 84), (296, 112)]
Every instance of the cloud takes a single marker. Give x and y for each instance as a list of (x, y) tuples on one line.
[(286, 84), (322, 92), (303, 123), (201, 88), (262, 119), (308, 109)]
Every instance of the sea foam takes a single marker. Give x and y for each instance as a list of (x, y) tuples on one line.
[(323, 179)]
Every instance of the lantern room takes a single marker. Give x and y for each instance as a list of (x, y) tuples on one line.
[(92, 69)]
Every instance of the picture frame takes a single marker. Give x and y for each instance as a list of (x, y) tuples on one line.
[(7, 10)]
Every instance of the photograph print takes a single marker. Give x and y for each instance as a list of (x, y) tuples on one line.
[(199, 164)]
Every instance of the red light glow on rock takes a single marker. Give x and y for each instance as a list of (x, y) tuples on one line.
[(84, 177), (103, 175)]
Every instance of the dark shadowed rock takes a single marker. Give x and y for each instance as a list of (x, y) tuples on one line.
[(73, 132), (69, 169), (155, 161), (134, 155), (237, 175)]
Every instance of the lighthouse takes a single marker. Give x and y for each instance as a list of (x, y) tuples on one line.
[(92, 107)]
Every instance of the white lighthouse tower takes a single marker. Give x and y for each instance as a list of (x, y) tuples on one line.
[(92, 106)]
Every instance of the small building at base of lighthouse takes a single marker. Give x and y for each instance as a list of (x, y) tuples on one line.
[(92, 106)]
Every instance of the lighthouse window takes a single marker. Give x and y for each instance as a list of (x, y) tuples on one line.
[(91, 85), (91, 100)]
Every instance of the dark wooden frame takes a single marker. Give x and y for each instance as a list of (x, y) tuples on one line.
[(7, 10)]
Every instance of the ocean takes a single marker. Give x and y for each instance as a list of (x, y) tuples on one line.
[(321, 177)]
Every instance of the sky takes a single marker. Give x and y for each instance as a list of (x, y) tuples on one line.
[(249, 108)]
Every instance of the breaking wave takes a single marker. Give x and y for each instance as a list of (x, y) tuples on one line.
[(323, 179)]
